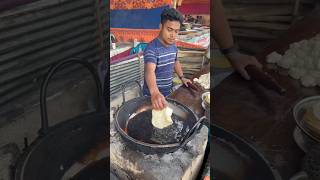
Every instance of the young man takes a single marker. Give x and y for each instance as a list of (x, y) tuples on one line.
[(157, 81), (160, 58)]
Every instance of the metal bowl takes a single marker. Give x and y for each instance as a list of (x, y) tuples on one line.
[(299, 111), (204, 104), (303, 140)]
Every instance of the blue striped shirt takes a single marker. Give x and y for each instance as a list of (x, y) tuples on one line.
[(164, 58)]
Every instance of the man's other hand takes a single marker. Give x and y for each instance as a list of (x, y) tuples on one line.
[(239, 61), (185, 81)]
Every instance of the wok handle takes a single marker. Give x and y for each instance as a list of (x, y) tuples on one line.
[(299, 176), (123, 88), (43, 92), (195, 127)]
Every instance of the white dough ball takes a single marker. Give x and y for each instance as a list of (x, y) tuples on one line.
[(308, 81), (286, 62), (274, 57), (297, 73)]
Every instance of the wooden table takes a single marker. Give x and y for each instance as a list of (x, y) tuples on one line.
[(189, 97), (262, 116)]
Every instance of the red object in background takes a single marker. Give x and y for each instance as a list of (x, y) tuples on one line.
[(194, 6), (128, 35), (194, 9), (120, 57), (189, 45), (194, 1), (141, 4)]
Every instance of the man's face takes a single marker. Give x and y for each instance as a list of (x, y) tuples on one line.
[(169, 31)]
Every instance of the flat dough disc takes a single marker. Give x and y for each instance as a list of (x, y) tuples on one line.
[(162, 118)]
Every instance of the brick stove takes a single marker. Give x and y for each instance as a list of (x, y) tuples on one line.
[(131, 164)]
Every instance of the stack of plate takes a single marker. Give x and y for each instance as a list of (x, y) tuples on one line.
[(311, 119), (205, 100), (306, 115)]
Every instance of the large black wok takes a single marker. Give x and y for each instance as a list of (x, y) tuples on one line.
[(133, 122), (235, 159), (60, 146)]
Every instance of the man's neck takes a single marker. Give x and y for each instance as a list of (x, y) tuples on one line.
[(162, 42)]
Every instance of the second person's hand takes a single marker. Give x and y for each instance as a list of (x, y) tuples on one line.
[(239, 61), (185, 81)]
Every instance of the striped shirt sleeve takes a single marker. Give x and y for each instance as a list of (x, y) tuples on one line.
[(150, 56)]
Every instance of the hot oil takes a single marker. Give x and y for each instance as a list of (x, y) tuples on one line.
[(141, 128)]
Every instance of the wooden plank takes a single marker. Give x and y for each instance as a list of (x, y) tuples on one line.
[(260, 18), (251, 46), (254, 34), (190, 59), (259, 25), (256, 10)]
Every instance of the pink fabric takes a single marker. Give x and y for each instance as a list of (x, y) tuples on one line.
[(120, 56), (194, 9), (124, 56)]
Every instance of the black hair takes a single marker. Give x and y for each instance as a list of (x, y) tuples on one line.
[(171, 14)]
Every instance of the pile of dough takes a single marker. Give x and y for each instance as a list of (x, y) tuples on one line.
[(162, 118), (302, 59), (203, 81)]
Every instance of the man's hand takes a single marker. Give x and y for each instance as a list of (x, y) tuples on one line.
[(185, 81), (158, 101), (240, 61)]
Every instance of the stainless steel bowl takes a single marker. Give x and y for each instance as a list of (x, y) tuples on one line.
[(299, 111)]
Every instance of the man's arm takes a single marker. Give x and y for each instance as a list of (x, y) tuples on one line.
[(178, 70), (150, 77), (221, 29), (157, 99), (222, 34)]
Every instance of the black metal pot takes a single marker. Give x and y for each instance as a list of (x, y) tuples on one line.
[(235, 159), (60, 146), (191, 124)]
